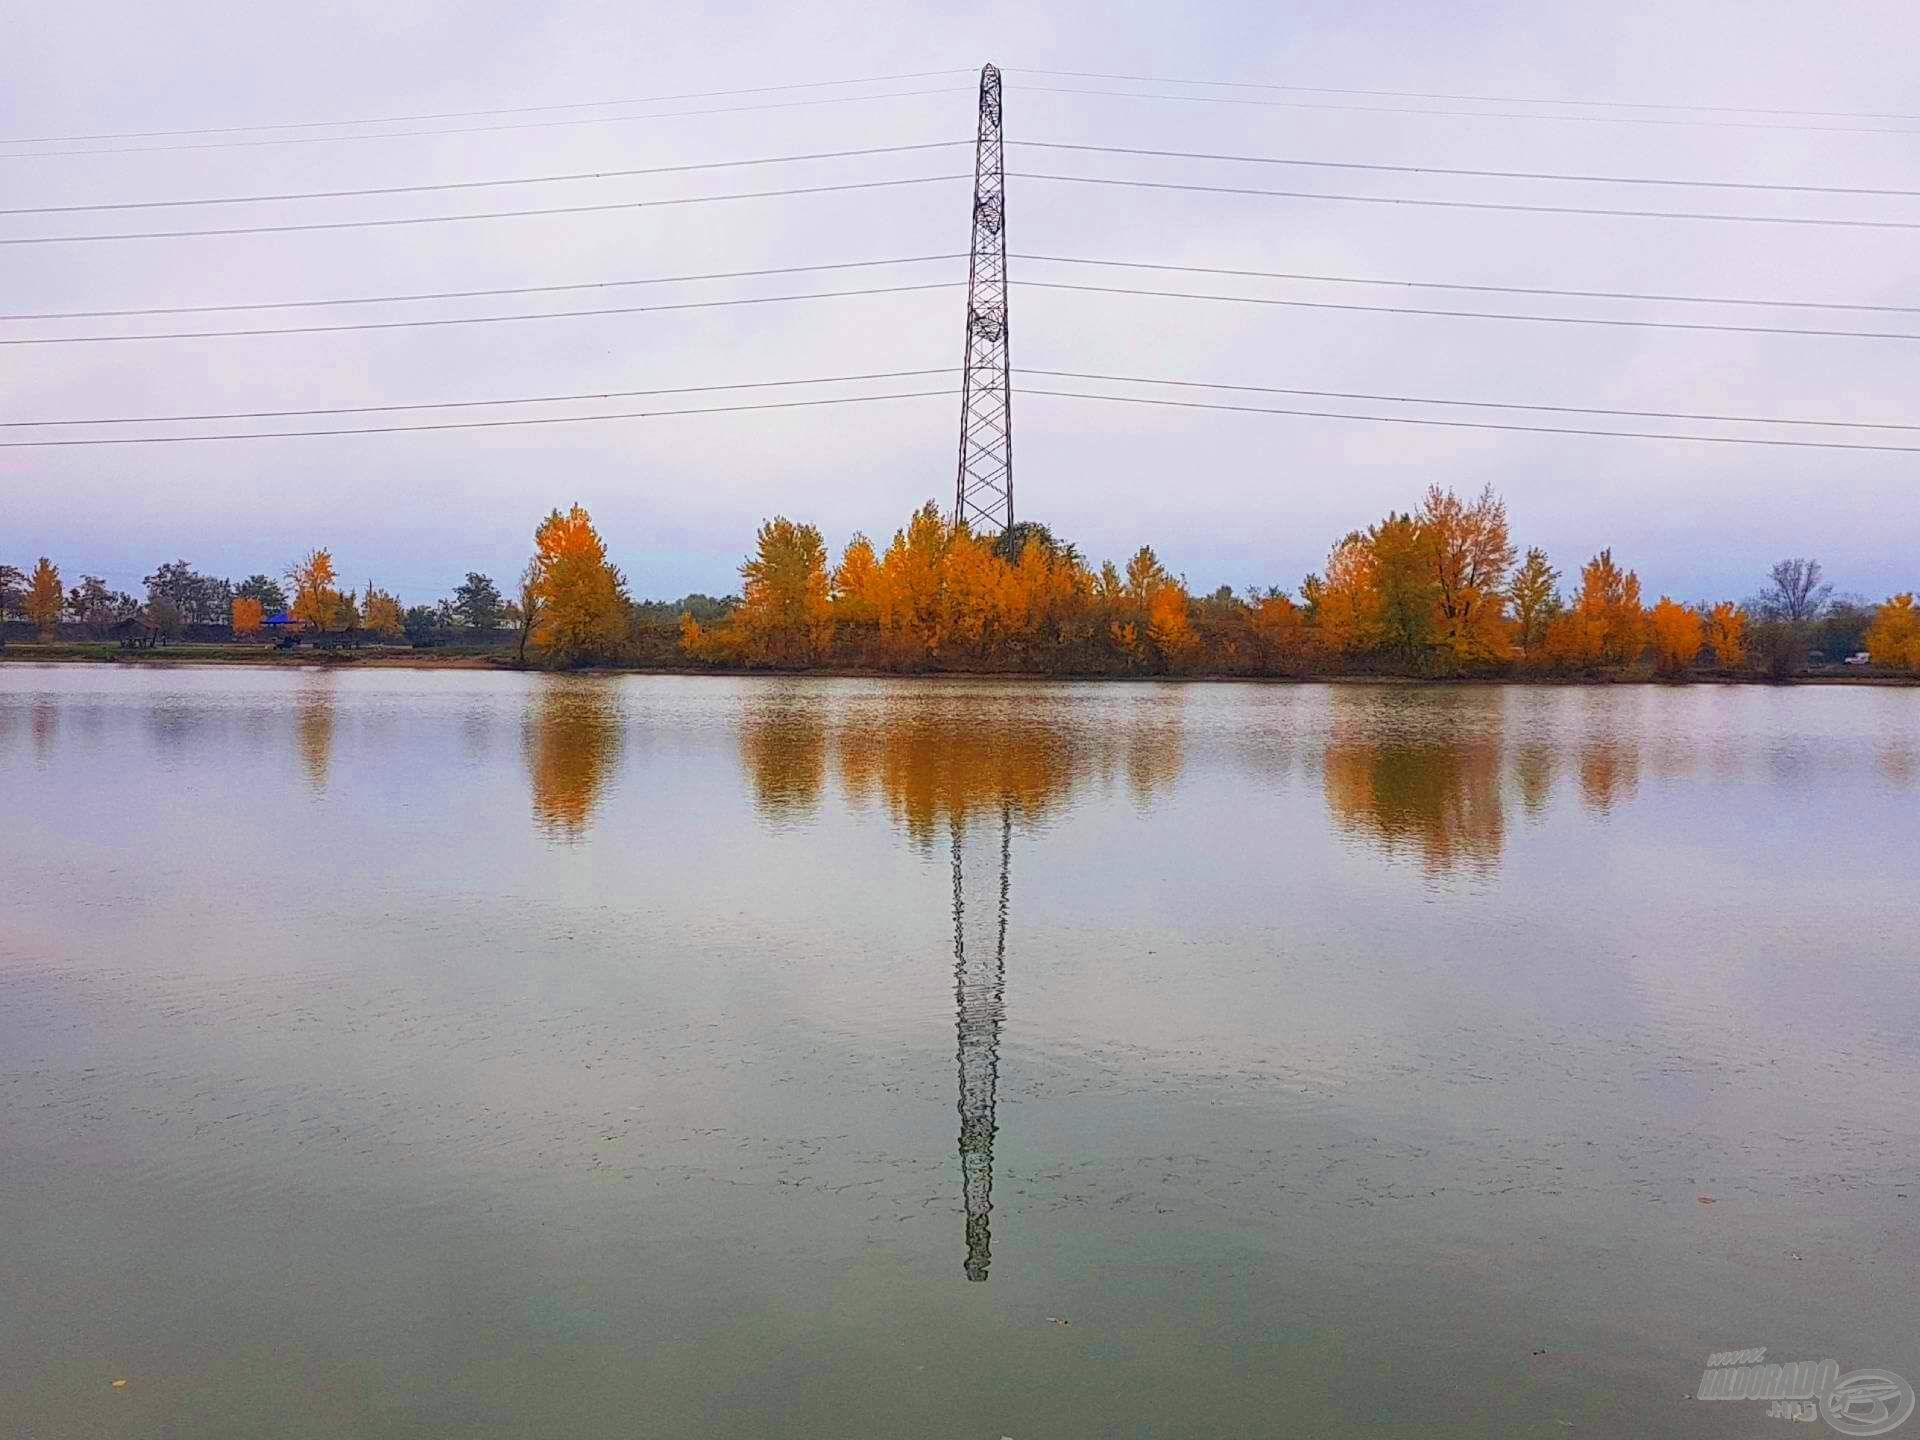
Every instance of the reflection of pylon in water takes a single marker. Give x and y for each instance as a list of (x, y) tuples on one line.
[(979, 977)]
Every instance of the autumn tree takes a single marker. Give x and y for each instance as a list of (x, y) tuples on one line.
[(315, 598), (1727, 634), (582, 596), (1345, 606), (1533, 599), (785, 614), (248, 615), (1470, 552), (971, 572), (44, 598), (1403, 577), (1605, 622), (912, 615), (1894, 638), (381, 613), (1676, 635), (854, 589), (1279, 631)]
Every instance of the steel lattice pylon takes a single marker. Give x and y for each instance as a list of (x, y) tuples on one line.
[(983, 493)]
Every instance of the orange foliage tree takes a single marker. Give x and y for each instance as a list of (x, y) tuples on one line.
[(44, 597), (1605, 622), (1894, 637), (1470, 552), (315, 603), (1346, 605), (785, 615), (1727, 634), (248, 615), (1676, 634), (380, 613), (580, 596)]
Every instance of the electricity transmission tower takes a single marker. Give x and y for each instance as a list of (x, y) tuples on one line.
[(980, 987), (983, 493)]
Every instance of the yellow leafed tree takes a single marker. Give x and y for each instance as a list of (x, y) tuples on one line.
[(785, 615), (1469, 549), (248, 616), (856, 580), (581, 595), (1347, 602), (1676, 633), (1727, 633), (380, 613), (44, 597), (315, 602), (1894, 637)]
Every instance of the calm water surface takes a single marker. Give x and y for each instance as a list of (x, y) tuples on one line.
[(451, 1054)]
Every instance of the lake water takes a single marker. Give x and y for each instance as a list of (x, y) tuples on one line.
[(390, 1053)]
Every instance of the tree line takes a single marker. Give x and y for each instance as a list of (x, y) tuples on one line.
[(1435, 591), (1439, 590)]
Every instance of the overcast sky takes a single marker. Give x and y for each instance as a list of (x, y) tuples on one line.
[(1225, 498)]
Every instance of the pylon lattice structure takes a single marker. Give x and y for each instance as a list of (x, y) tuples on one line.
[(983, 493)]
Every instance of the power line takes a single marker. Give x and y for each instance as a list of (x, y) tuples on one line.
[(861, 152), (1420, 202), (1314, 277), (496, 184), (948, 394), (475, 294), (1467, 114), (484, 129), (948, 370), (1502, 205), (1455, 285), (476, 319), (482, 424), (1466, 404), (1636, 324), (483, 214), (471, 404), (1475, 99), (1344, 306), (1448, 170), (1477, 424), (470, 114)]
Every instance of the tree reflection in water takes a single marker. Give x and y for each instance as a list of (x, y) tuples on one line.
[(1420, 780), (783, 745), (573, 742), (313, 727)]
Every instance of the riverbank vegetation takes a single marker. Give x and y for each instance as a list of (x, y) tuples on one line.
[(1437, 591)]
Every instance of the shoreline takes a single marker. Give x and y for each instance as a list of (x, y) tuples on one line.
[(406, 660)]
